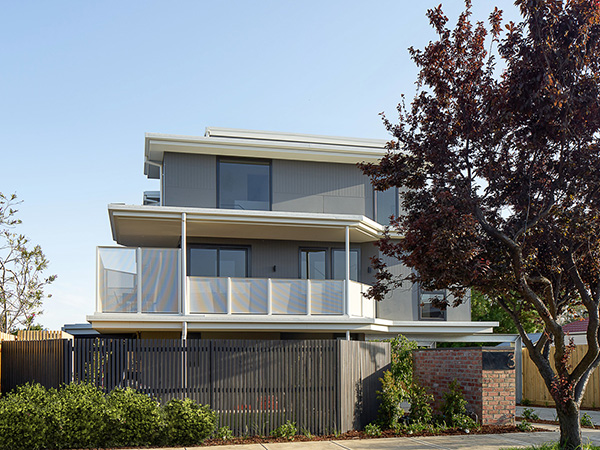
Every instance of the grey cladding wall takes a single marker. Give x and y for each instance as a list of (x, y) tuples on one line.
[(321, 188), (284, 255), (191, 180)]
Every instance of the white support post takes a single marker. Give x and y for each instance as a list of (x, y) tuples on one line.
[(347, 335), (98, 302), (184, 331), (269, 297), (229, 295), (184, 360), (184, 297), (518, 369), (308, 298), (138, 262), (347, 290)]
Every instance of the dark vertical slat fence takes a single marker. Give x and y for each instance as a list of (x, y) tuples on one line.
[(46, 362), (254, 386)]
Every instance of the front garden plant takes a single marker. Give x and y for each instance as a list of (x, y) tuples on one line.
[(399, 388), (79, 415)]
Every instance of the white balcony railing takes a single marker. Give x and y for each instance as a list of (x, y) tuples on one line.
[(145, 280)]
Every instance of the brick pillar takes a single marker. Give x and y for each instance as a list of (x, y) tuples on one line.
[(486, 376)]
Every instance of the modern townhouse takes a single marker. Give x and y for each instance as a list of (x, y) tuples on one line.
[(260, 235)]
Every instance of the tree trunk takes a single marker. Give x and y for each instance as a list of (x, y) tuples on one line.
[(570, 428)]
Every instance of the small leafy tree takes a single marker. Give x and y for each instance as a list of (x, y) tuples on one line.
[(399, 386), (21, 272), (499, 177)]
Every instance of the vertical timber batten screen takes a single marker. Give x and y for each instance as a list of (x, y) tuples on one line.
[(254, 386), (49, 363)]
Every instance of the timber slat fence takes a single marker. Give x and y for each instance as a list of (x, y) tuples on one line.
[(254, 386), (534, 388)]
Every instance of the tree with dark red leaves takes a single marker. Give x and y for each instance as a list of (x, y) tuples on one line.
[(497, 161)]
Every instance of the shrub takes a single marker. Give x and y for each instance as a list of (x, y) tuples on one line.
[(186, 422), (391, 397), (397, 383), (26, 421), (586, 420), (134, 419), (372, 429), (454, 402), (224, 433), (287, 430), (81, 414), (524, 426), (530, 414), (420, 405)]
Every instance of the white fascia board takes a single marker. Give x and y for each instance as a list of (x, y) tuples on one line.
[(443, 327), (219, 132), (115, 321), (334, 150), (289, 322)]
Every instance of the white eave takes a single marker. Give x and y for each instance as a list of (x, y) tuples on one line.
[(154, 226), (262, 144), (240, 322)]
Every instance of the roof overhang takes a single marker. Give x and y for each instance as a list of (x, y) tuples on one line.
[(111, 322), (262, 144), (161, 226)]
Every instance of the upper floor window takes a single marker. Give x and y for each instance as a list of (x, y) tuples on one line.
[(313, 263), (427, 309), (386, 205), (339, 264), (244, 184), (218, 261)]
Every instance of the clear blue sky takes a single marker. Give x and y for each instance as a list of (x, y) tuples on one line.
[(82, 81)]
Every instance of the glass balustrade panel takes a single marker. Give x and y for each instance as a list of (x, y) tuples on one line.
[(117, 280)]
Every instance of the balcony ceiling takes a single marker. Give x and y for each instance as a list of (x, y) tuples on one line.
[(160, 226)]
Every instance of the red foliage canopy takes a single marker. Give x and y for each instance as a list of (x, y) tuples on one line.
[(499, 173)]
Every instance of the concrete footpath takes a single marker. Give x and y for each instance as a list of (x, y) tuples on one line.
[(466, 442), (550, 413)]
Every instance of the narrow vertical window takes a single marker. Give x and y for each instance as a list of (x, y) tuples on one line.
[(339, 264), (386, 205), (313, 264), (427, 309)]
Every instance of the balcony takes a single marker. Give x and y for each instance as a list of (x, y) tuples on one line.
[(148, 281)]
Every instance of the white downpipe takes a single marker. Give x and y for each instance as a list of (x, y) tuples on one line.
[(184, 296), (347, 282), (98, 302), (138, 257), (184, 331)]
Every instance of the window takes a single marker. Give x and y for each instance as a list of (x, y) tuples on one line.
[(214, 261), (386, 205), (427, 310), (313, 264), (244, 185), (339, 264)]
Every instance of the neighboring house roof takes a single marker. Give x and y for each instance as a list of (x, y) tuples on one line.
[(579, 326)]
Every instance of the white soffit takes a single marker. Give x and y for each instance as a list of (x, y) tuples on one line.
[(263, 144), (134, 225)]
